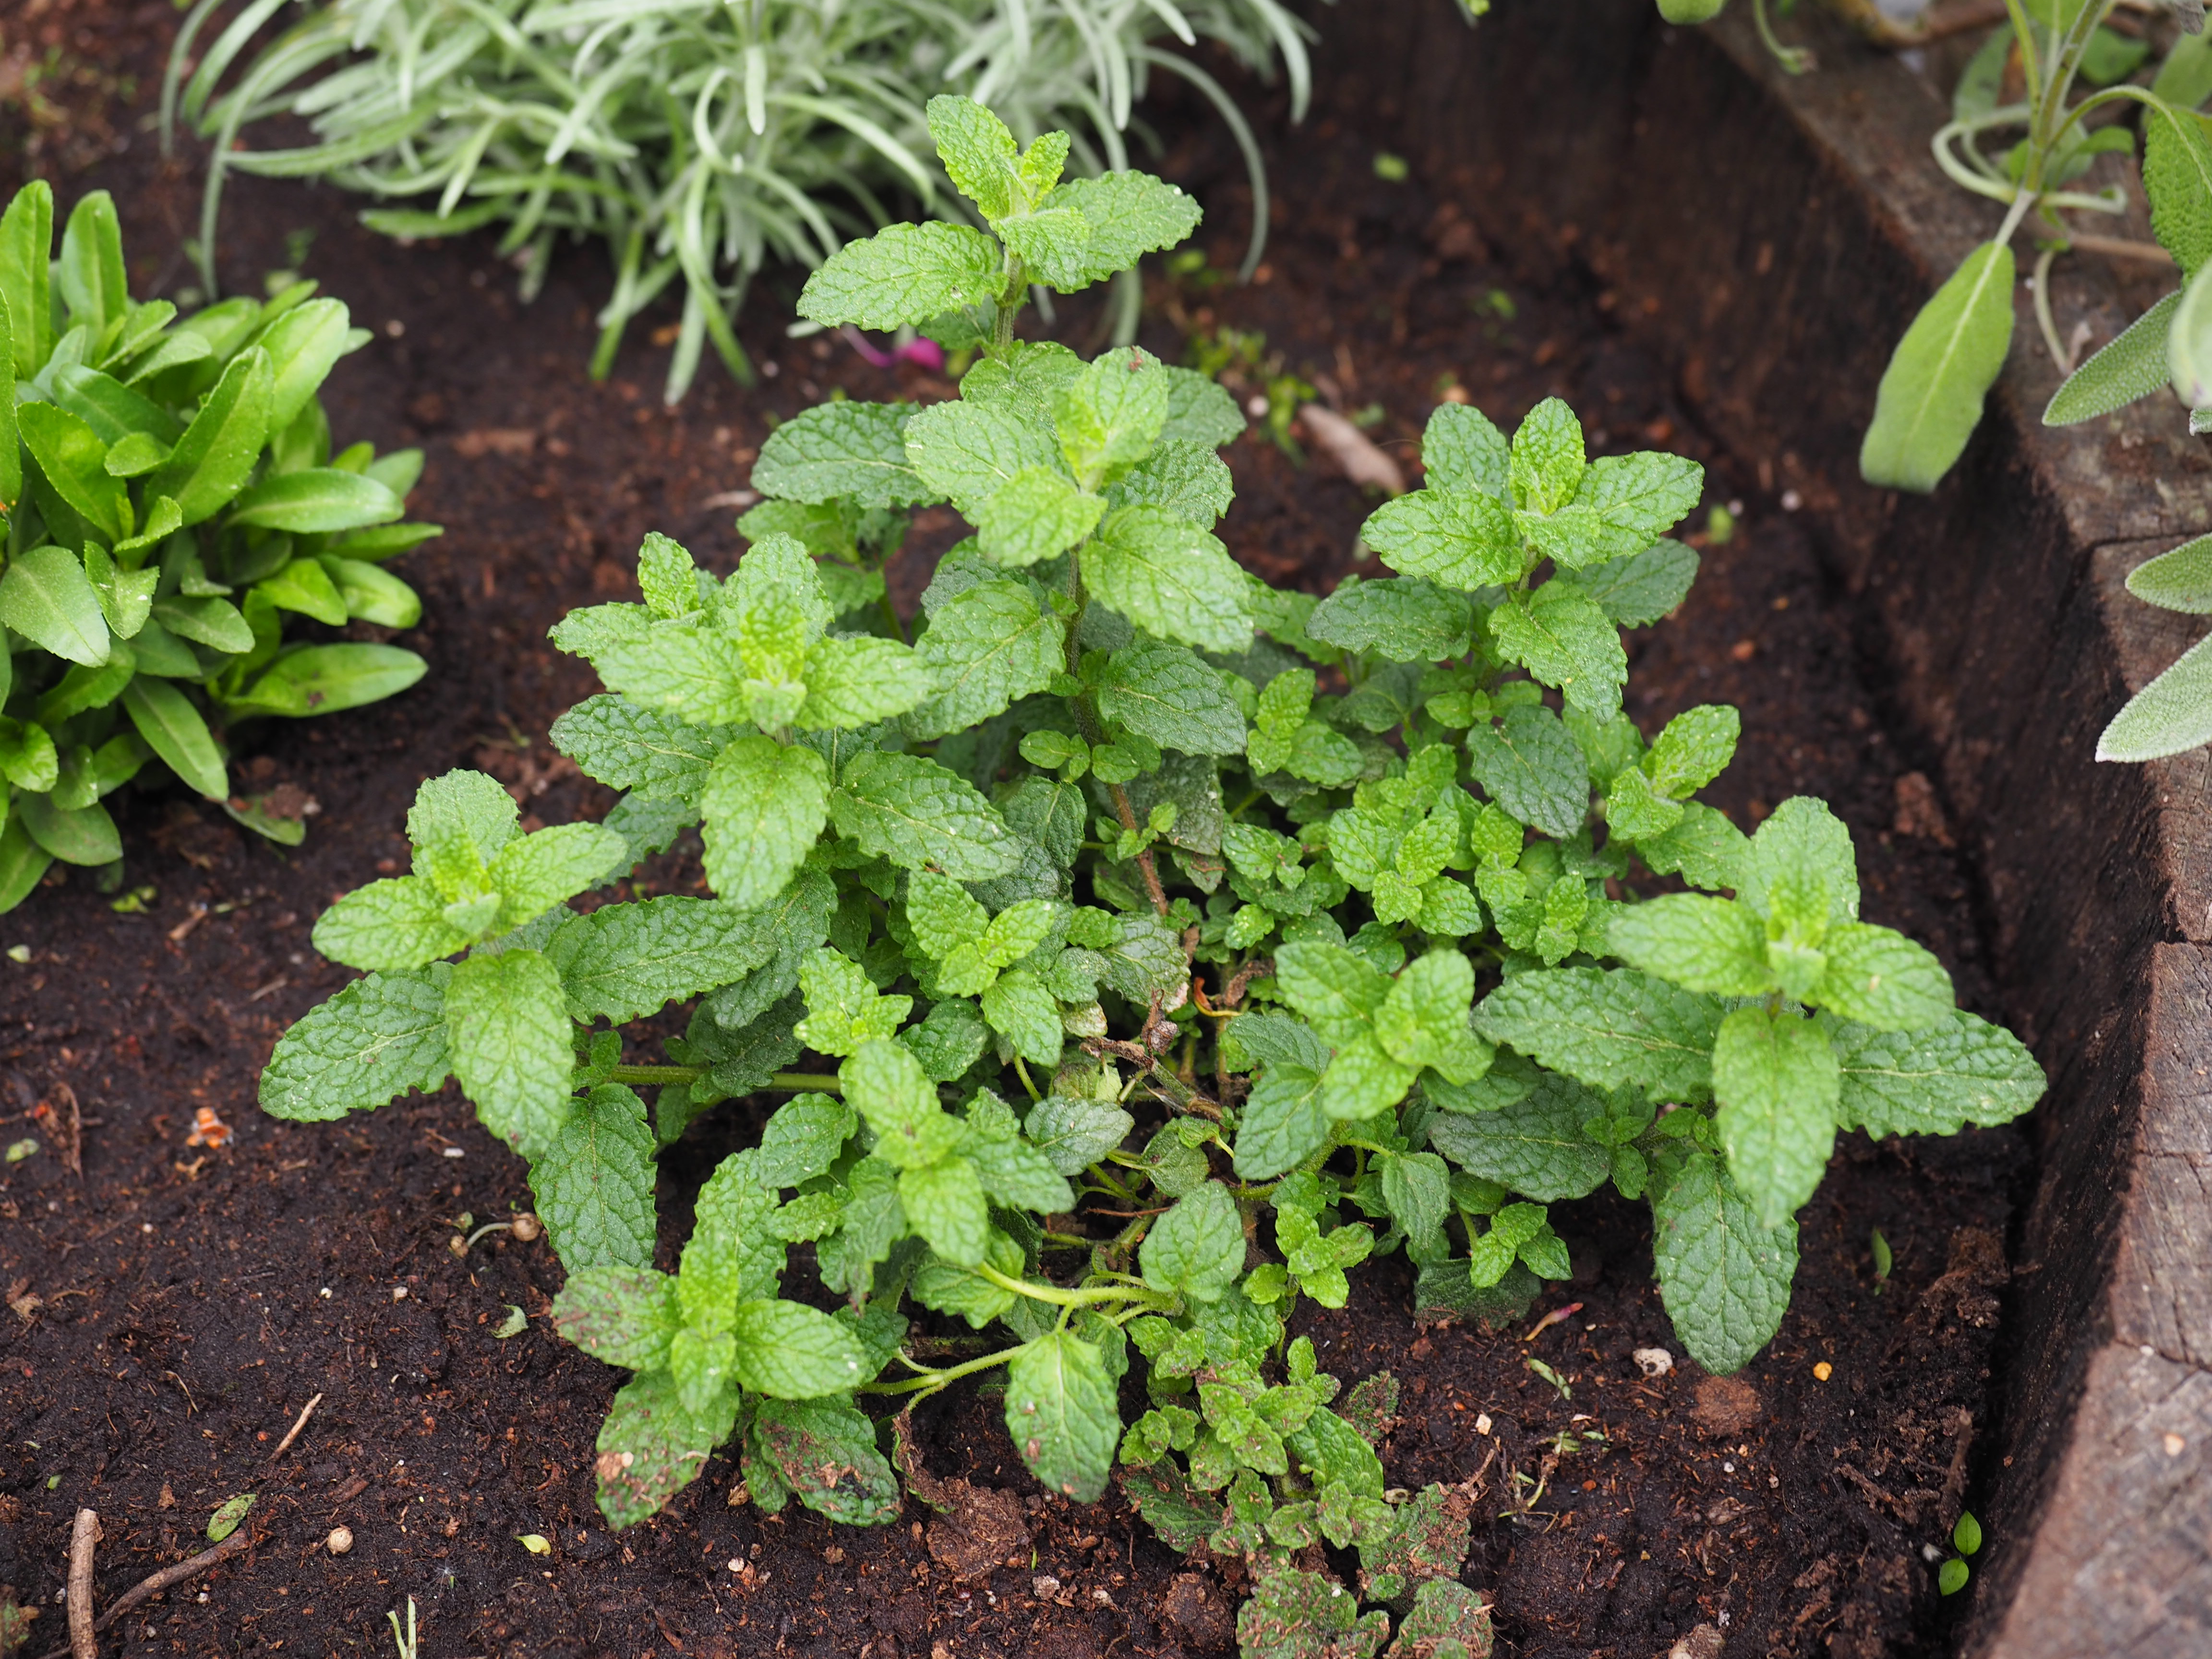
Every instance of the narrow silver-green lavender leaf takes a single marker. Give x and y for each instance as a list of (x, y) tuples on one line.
[(1724, 1278), (593, 1185), (376, 1039), (2170, 716)]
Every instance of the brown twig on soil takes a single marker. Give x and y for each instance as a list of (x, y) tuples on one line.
[(152, 1584), (73, 1133), (285, 1444), (82, 1537)]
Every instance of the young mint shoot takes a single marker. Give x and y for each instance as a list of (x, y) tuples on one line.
[(1090, 940)]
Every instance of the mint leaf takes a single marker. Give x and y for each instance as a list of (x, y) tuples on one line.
[(1702, 848), (1417, 1189), (1711, 944), (1293, 1613), (1461, 450), (395, 924), (1882, 979), (625, 962), (1778, 1083), (1198, 410), (843, 449), (650, 1448), (1723, 1277), (641, 749), (1637, 591), (790, 1351), (915, 813), (1626, 502), (1691, 751), (508, 1030), (1185, 478), (1014, 1172), (736, 1253), (1565, 639), (1062, 1414), (1963, 1070), (1110, 417), (903, 274), (1404, 618), (1128, 215), (1803, 856), (1532, 768), (593, 1185), (375, 1040), (1074, 1132), (1170, 578), (823, 1453), (1022, 1011), (1035, 514), (1534, 1146), (1547, 463), (1197, 1248), (804, 1138), (535, 873), (692, 671), (1461, 538), (622, 1315), (764, 804), (1164, 692), (858, 682), (985, 649), (1283, 1123), (944, 1203), (846, 1015), (1608, 1029), (979, 153), (1336, 989), (969, 452)]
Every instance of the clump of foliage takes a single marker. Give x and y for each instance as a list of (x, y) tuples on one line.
[(168, 495), (696, 139), (1931, 397), (1163, 984)]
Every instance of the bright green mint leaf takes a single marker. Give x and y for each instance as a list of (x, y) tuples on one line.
[(1164, 692), (1035, 513), (691, 670), (1533, 769), (702, 1364), (1711, 944), (535, 873), (625, 962), (622, 1315), (1724, 1276), (1405, 618), (1339, 990), (1626, 502), (858, 682), (1110, 417), (1185, 478), (1461, 538), (1025, 381), (1074, 1132), (1695, 745), (886, 1084), (948, 1288), (845, 1013), (1423, 1019), (1363, 1080), (1200, 411), (1053, 244), (1021, 1010), (508, 1030), (764, 804), (1197, 1248), (1778, 1083), (736, 1253), (1170, 578), (1062, 1414), (1963, 1070), (1010, 1169), (1565, 639), (1282, 1123), (1930, 397), (625, 746), (803, 1138), (843, 449), (1534, 1146), (916, 813), (903, 274), (1547, 460), (1417, 1188), (787, 1350), (462, 809), (944, 1202), (1608, 1029), (986, 647), (392, 924), (980, 154), (667, 577), (1801, 862), (1129, 214), (943, 914), (969, 452), (1882, 978), (1461, 450), (1638, 591), (594, 1184), (1635, 810), (1703, 848), (373, 1042)]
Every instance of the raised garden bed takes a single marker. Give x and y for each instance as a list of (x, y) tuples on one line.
[(180, 1309)]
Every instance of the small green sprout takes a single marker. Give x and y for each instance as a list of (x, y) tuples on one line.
[(1391, 167), (1882, 1263), (407, 1642)]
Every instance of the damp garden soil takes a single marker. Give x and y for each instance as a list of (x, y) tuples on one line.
[(176, 1306)]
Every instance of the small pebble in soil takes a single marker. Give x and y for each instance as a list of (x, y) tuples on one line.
[(1653, 1362), (1822, 1371), (326, 1293), (398, 1292), (525, 1228), (457, 1152), (1045, 1585), (340, 1540), (1791, 500)]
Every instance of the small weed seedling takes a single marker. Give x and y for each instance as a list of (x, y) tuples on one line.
[(168, 496), (1966, 1538), (1124, 985)]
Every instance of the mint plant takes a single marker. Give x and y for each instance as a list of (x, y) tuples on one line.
[(1151, 986), (168, 495), (1931, 396)]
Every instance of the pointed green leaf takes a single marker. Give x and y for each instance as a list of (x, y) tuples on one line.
[(1930, 397)]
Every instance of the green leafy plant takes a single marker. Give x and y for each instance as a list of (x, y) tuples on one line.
[(169, 495), (1931, 396), (697, 140), (1966, 1538), (986, 875)]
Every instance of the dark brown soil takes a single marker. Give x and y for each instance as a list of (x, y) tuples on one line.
[(176, 1306)]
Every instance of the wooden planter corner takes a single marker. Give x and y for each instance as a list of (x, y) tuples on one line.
[(1771, 237)]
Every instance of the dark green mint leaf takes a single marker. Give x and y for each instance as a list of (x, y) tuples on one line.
[(594, 1184), (1724, 1278), (1062, 1414), (624, 1316), (1563, 639), (1170, 578), (1198, 410), (375, 1040), (1197, 1248), (1536, 1145), (1704, 847), (804, 1138), (1532, 768), (1637, 591), (1882, 978), (650, 1448), (1404, 618), (915, 813), (1962, 1071), (625, 962), (823, 1453), (1608, 1029), (1461, 450), (1164, 692)]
